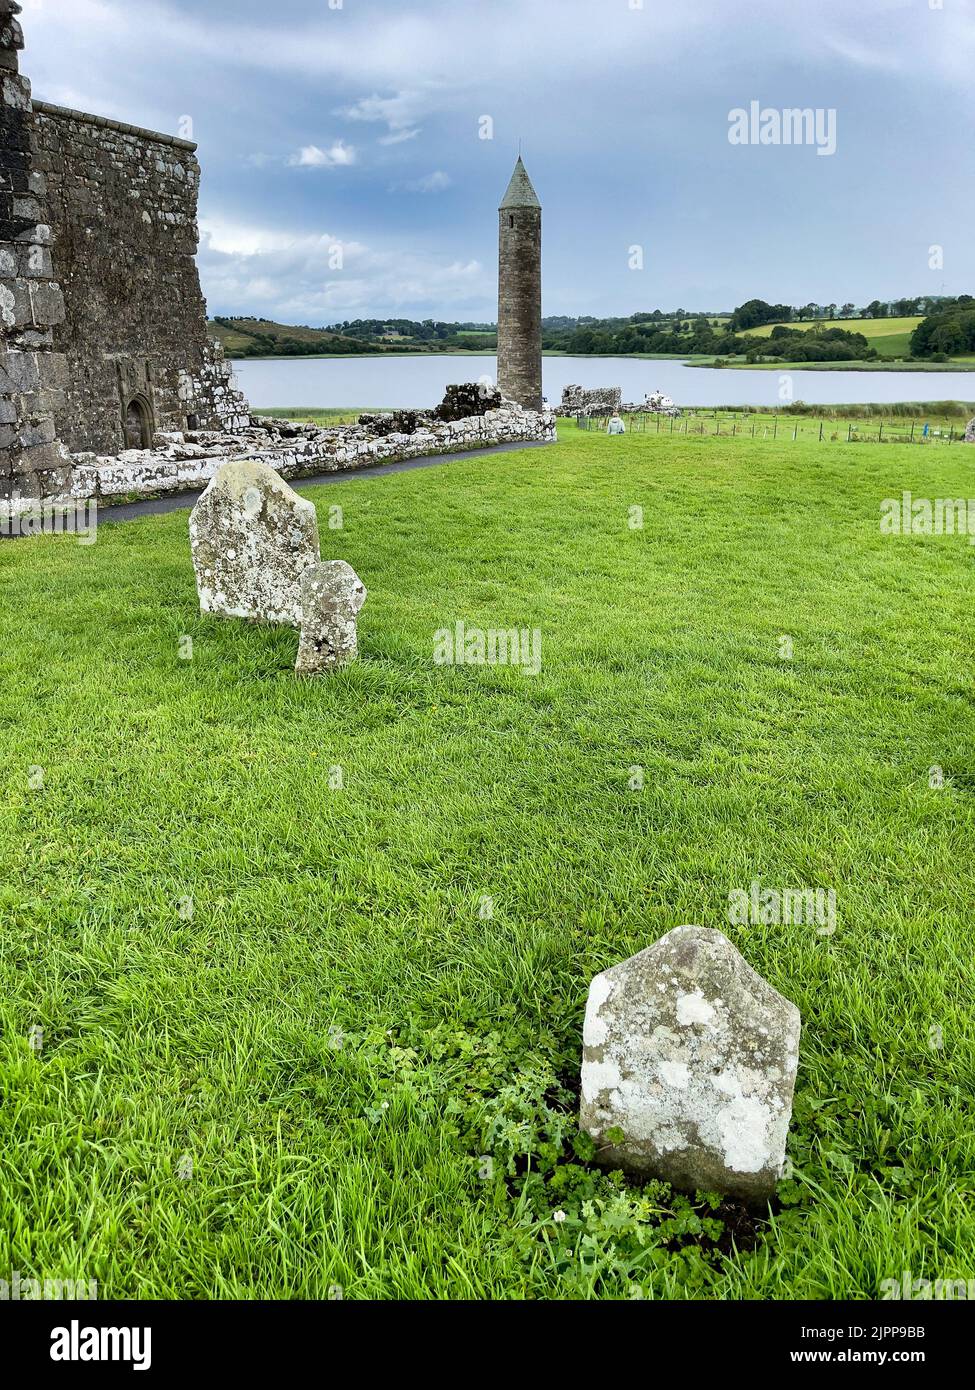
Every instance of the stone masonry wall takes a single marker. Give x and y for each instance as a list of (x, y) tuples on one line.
[(519, 306), (32, 374), (123, 204), (183, 462), (520, 293), (594, 400)]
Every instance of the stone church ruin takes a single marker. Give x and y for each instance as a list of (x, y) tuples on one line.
[(110, 385), (103, 320)]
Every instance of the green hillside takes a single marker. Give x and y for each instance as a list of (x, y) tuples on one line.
[(248, 337), (891, 337)]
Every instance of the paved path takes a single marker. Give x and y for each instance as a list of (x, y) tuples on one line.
[(130, 511)]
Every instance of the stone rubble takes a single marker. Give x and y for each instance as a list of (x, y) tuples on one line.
[(692, 1056)]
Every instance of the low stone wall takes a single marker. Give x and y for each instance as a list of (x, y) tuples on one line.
[(595, 400), (189, 460)]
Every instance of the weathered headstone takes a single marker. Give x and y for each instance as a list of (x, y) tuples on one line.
[(253, 538), (970, 432), (331, 596), (692, 1056)]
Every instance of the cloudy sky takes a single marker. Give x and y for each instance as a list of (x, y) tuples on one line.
[(358, 123)]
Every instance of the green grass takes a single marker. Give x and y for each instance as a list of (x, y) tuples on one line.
[(898, 416), (338, 1035), (896, 422), (320, 415), (954, 364), (889, 336), (243, 334), (264, 338)]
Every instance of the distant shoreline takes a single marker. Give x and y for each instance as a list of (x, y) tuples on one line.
[(854, 366), (357, 356), (687, 361)]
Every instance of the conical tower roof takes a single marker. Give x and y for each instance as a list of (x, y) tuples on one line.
[(520, 192)]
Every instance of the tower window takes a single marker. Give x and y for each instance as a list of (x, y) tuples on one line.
[(511, 220)]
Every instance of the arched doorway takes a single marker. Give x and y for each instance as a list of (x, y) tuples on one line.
[(137, 424)]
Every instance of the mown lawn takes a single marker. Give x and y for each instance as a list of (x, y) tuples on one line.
[(284, 1032)]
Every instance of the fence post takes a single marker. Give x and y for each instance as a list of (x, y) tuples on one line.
[(849, 432), (881, 434), (658, 424), (820, 431), (913, 423), (775, 428)]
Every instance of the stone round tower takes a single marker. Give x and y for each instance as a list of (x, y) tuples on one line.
[(520, 293)]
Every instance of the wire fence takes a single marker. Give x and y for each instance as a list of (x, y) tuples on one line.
[(784, 427)]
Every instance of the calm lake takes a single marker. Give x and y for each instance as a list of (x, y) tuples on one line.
[(412, 382)]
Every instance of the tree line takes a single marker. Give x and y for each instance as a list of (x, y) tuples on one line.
[(947, 332), (947, 329)]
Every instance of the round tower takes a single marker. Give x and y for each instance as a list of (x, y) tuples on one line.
[(520, 293)]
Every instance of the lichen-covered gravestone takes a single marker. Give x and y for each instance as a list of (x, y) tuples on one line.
[(970, 432), (331, 596), (253, 538), (692, 1056)]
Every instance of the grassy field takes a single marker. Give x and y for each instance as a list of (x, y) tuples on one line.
[(945, 419), (320, 415), (239, 336), (263, 338), (878, 364), (287, 1048), (889, 336), (896, 422)]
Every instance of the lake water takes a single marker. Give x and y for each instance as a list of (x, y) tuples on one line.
[(412, 382)]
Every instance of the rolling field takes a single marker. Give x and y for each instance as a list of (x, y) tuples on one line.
[(889, 336), (293, 972)]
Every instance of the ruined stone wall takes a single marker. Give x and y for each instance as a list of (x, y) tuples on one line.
[(296, 451), (32, 374), (122, 205), (594, 400)]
